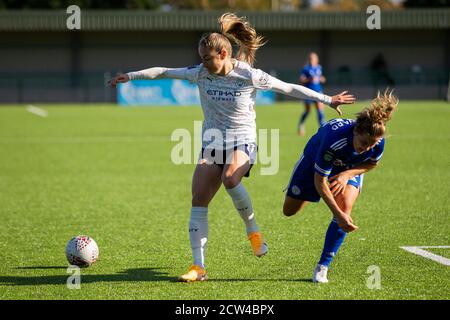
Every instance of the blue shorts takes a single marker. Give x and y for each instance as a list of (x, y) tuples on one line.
[(301, 185), (219, 157)]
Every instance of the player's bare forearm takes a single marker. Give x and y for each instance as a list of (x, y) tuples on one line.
[(338, 182), (343, 220), (324, 191), (361, 168)]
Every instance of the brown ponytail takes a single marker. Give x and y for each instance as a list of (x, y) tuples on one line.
[(372, 120)]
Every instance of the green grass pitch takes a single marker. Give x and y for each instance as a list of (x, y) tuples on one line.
[(106, 171)]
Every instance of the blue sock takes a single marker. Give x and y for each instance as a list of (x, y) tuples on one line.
[(303, 118), (334, 238), (320, 117)]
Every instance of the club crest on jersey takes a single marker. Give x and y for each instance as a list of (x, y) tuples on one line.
[(264, 79)]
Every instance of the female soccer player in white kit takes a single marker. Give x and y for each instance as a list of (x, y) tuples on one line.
[(227, 89)]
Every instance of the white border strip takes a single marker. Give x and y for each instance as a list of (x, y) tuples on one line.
[(427, 254), (37, 111)]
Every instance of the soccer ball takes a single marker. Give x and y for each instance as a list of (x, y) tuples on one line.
[(82, 251)]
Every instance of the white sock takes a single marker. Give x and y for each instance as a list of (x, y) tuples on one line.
[(243, 204), (198, 234)]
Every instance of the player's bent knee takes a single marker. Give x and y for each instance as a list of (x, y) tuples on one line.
[(289, 210), (292, 206), (230, 181)]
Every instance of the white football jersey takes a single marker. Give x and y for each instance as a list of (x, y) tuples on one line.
[(228, 103)]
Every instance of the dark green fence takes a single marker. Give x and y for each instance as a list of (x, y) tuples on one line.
[(192, 20)]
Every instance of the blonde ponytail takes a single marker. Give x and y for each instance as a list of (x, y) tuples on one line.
[(240, 32), (372, 120)]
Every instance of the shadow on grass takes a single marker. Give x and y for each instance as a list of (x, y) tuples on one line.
[(129, 275), (261, 279), (41, 267)]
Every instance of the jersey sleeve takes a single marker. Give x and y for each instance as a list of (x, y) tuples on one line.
[(298, 91), (325, 156), (188, 73), (192, 72), (377, 151), (261, 80)]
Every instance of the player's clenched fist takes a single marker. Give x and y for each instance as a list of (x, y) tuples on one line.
[(120, 78)]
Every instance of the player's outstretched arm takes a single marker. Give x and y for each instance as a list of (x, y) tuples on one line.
[(150, 74), (343, 219), (302, 92)]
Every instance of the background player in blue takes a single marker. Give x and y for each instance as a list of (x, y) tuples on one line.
[(332, 167), (312, 78)]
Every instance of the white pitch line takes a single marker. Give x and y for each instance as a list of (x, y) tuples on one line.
[(37, 111), (427, 254)]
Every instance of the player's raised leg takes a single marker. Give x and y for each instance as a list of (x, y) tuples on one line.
[(205, 183), (238, 164), (291, 206), (335, 235)]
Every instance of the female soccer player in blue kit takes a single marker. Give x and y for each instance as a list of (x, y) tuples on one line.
[(312, 78), (332, 167), (227, 87)]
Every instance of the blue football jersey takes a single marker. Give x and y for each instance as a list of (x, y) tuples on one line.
[(313, 75), (331, 148)]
